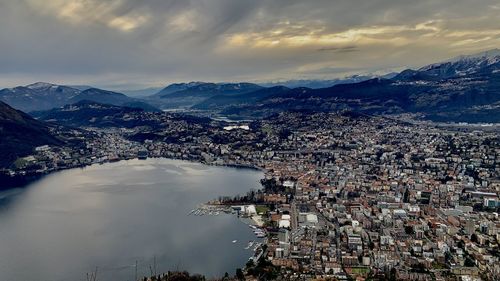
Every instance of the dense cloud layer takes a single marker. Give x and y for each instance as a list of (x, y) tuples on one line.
[(128, 43)]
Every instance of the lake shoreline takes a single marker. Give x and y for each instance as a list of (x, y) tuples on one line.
[(21, 181), (119, 203)]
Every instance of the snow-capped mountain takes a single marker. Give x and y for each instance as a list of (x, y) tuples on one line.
[(37, 96), (321, 83), (489, 57), (43, 96), (464, 89), (466, 64), (483, 63), (40, 86)]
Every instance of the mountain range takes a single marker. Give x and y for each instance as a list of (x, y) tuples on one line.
[(44, 96), (318, 84), (462, 89), (186, 95), (484, 63)]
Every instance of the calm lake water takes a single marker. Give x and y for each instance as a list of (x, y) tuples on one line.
[(64, 225)]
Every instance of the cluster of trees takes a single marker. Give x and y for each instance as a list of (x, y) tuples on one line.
[(262, 270), (186, 276), (251, 197), (175, 276), (269, 186)]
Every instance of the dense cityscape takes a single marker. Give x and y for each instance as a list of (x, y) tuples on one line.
[(345, 196)]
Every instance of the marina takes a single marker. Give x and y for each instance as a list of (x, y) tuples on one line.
[(216, 210), (209, 210)]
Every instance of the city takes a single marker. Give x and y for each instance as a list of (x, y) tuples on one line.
[(345, 195)]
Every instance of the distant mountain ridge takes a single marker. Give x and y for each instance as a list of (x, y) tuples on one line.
[(489, 57), (481, 63), (172, 88), (462, 89), (102, 96), (192, 93), (466, 89), (211, 89), (44, 96), (221, 101), (37, 96), (318, 84), (141, 93)]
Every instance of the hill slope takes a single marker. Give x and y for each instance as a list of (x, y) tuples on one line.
[(20, 134), (93, 114)]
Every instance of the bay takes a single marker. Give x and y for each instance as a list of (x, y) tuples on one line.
[(109, 216)]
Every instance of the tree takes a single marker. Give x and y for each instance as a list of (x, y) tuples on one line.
[(419, 267), (406, 196), (390, 275), (469, 262), (393, 274), (409, 229), (473, 238), (239, 274), (250, 263)]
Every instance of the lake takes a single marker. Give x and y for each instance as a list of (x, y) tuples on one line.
[(109, 216)]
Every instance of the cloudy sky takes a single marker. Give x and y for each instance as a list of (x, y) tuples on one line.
[(131, 44)]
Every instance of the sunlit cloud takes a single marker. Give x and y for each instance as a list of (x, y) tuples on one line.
[(300, 35), (471, 41), (184, 21), (88, 12), (154, 42), (127, 23), (473, 33)]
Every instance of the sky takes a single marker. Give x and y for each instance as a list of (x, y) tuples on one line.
[(130, 44)]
